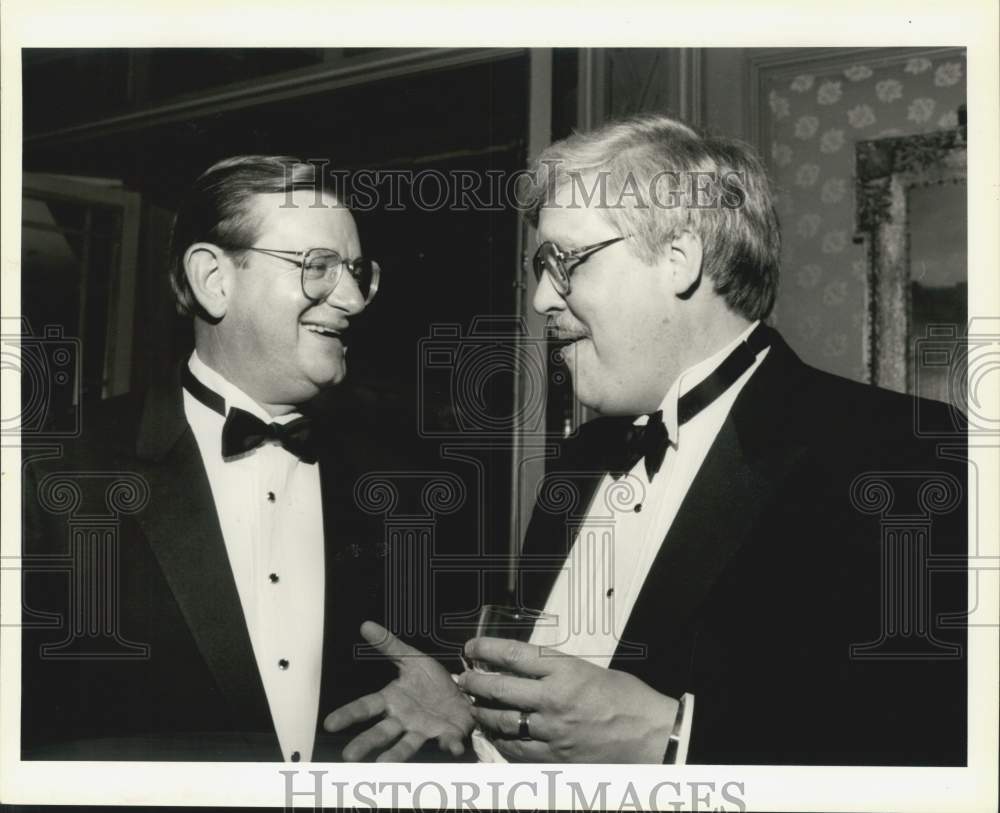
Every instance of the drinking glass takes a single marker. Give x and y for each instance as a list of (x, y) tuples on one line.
[(516, 623)]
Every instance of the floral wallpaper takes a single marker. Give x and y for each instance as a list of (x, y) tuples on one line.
[(812, 122)]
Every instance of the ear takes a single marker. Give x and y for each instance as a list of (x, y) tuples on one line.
[(684, 257), (207, 268)]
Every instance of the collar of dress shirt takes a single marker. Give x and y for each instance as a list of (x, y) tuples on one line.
[(690, 378), (233, 395)]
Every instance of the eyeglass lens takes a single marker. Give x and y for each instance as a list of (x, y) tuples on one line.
[(548, 260), (321, 270)]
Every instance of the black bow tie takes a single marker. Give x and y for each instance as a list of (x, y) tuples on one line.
[(244, 432), (648, 443)]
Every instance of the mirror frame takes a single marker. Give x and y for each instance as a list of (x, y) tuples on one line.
[(885, 171)]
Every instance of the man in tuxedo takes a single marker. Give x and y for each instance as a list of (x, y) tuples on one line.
[(724, 554), (218, 611)]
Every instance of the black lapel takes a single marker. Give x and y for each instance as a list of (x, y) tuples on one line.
[(352, 565), (328, 476), (564, 498), (186, 537), (552, 531), (754, 448), (352, 442), (710, 527)]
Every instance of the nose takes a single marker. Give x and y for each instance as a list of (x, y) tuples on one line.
[(547, 299), (347, 295)]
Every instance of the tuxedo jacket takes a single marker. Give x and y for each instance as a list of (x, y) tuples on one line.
[(811, 589), (135, 645)]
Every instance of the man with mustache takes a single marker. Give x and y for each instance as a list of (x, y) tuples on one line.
[(722, 594), (239, 576)]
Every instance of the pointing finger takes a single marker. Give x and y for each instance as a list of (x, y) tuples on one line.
[(385, 642)]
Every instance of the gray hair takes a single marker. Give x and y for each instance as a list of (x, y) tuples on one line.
[(655, 178)]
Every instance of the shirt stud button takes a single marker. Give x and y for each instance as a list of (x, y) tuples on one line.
[(296, 756), (270, 496), (611, 592), (283, 663), (637, 507), (273, 578)]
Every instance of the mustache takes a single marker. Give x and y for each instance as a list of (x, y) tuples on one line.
[(565, 331)]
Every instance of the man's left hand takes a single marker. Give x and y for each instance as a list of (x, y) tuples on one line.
[(421, 704), (579, 712)]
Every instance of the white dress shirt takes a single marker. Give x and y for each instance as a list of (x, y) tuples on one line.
[(270, 510), (626, 523)]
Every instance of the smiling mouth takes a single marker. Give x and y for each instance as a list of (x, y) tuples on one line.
[(327, 332)]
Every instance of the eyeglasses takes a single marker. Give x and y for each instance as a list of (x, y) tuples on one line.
[(552, 260), (322, 269)]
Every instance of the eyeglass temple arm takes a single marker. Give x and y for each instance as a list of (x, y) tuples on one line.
[(277, 253), (582, 253)]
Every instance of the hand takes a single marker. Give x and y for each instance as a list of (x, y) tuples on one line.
[(579, 711), (422, 704)]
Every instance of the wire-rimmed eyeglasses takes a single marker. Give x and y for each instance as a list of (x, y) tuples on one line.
[(322, 269), (552, 260)]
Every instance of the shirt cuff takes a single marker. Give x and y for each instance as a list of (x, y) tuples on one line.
[(680, 737), (485, 750), (685, 733)]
